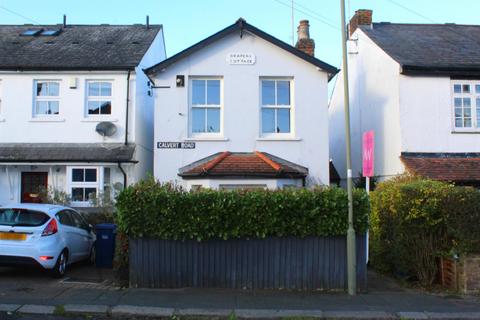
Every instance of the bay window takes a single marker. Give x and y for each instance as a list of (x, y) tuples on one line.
[(84, 184)]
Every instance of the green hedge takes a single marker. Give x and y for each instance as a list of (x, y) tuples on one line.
[(414, 221), (149, 209)]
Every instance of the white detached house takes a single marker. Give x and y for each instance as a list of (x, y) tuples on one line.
[(75, 111), (418, 87), (242, 109)]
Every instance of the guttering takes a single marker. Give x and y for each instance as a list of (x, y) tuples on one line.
[(128, 100), (66, 68), (60, 161), (124, 174)]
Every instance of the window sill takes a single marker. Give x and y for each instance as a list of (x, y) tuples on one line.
[(46, 120), (466, 132), (98, 119), (279, 139), (206, 139)]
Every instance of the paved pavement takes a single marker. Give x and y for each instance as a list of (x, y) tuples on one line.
[(87, 290)]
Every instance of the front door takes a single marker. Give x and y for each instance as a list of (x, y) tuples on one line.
[(32, 184)]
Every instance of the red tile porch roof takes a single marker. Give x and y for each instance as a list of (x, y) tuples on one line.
[(455, 167), (243, 164)]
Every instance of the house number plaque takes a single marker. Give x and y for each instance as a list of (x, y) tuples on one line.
[(175, 145)]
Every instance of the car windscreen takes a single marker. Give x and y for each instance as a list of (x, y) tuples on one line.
[(22, 217)]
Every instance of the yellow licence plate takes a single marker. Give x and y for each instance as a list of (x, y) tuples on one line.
[(13, 236)]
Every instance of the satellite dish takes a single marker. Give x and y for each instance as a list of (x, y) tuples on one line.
[(106, 129)]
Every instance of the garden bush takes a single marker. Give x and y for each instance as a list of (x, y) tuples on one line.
[(414, 221), (153, 210)]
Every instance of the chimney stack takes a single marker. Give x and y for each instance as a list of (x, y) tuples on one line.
[(362, 17), (304, 42), (64, 20)]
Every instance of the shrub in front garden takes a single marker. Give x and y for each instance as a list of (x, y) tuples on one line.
[(414, 221), (153, 210)]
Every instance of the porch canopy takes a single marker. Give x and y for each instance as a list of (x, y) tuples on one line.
[(243, 165), (461, 168), (66, 152)]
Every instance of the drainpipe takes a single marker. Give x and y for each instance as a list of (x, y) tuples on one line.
[(124, 174), (128, 100)]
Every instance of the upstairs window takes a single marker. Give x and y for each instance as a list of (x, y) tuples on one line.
[(466, 105), (205, 105), (276, 106), (47, 98), (1, 97), (99, 98)]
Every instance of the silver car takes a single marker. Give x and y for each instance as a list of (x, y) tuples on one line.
[(49, 236)]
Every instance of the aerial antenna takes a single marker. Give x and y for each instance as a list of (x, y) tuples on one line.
[(293, 26)]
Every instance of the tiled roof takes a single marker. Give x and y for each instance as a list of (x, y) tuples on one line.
[(76, 47), (243, 164), (446, 166), (66, 152), (429, 48)]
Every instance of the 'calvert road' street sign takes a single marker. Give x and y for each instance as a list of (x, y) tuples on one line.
[(175, 145)]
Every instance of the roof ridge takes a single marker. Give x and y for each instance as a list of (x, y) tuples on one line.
[(386, 23), (270, 162), (211, 164)]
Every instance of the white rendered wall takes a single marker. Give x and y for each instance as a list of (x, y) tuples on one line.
[(72, 125), (374, 105), (241, 111), (144, 110), (427, 117)]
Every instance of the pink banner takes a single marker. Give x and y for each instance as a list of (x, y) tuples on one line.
[(368, 153)]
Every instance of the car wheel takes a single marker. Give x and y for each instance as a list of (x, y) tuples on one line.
[(60, 267), (93, 256)]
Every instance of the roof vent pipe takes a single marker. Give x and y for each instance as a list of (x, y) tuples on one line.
[(148, 22), (64, 20)]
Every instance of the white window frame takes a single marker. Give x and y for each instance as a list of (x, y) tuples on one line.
[(242, 186), (473, 95), (46, 98), (2, 106), (205, 106), (291, 107), (75, 184), (99, 98)]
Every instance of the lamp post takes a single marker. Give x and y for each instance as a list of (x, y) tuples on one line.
[(351, 252)]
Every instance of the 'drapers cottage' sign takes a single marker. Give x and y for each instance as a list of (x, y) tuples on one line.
[(241, 58)]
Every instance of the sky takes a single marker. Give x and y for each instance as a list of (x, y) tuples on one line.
[(186, 22)]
